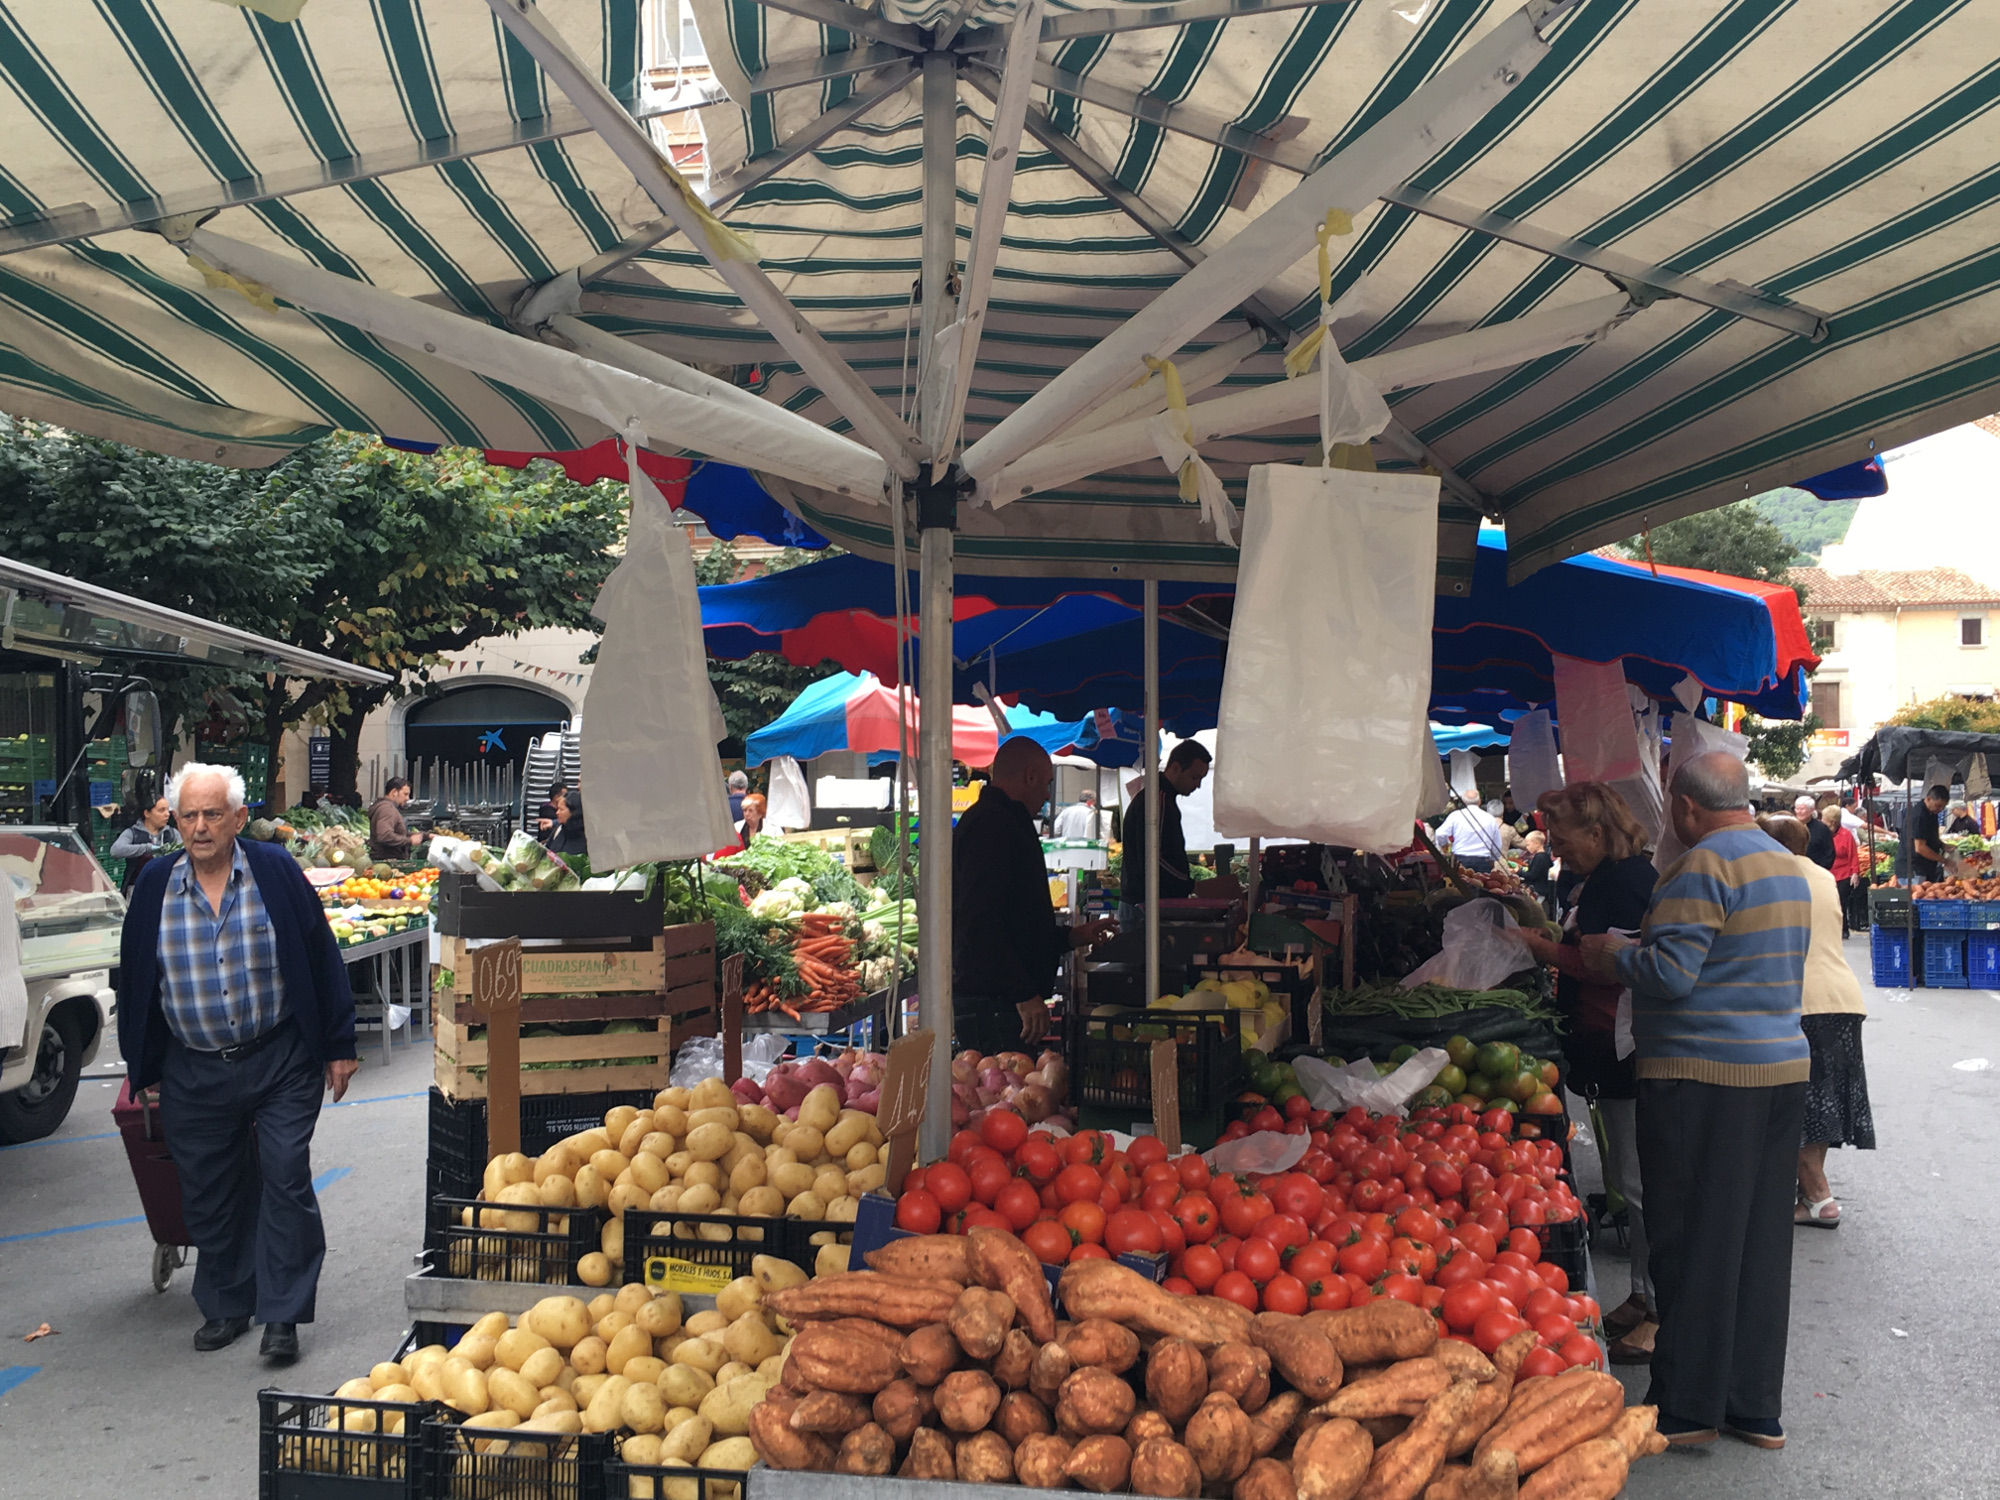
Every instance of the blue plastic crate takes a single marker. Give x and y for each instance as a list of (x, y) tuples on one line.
[(1982, 914), (1982, 960), (1947, 915), (1890, 947), (1944, 960)]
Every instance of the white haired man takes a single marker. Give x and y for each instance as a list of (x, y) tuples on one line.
[(232, 997)]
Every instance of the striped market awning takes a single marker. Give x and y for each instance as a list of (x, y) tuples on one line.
[(1609, 263)]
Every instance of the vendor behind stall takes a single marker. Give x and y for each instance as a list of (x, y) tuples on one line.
[(389, 837), (1005, 940), (1923, 852), (1185, 770)]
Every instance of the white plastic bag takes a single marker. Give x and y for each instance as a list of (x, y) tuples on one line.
[(791, 805), (1338, 1089), (1532, 767), (1482, 946), (1266, 1151), (1599, 740), (1692, 736), (1326, 694), (1433, 796)]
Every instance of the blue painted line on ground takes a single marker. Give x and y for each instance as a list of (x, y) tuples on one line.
[(13, 1375), (112, 1135), (320, 1183)]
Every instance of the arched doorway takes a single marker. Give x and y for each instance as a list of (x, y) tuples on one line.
[(489, 724)]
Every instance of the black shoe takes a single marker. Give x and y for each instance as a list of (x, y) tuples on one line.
[(1682, 1433), (1758, 1432), (220, 1333), (281, 1342)]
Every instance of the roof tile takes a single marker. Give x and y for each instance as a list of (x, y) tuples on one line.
[(1878, 589)]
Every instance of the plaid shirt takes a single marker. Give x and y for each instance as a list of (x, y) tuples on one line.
[(220, 985)]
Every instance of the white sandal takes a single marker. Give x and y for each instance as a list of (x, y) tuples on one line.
[(1812, 1213)]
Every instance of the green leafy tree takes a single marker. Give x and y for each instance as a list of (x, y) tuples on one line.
[(1778, 747), (1807, 521), (1735, 539), (1964, 715)]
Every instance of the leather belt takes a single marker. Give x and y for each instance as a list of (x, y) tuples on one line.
[(250, 1048)]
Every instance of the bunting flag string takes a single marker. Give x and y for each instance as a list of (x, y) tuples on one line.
[(547, 674)]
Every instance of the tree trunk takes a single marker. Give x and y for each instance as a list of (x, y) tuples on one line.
[(276, 701), (345, 730)]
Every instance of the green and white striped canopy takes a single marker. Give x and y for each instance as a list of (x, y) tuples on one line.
[(1799, 199)]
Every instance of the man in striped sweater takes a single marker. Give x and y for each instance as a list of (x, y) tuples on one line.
[(1722, 1066)]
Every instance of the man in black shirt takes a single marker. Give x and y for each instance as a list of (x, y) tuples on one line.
[(1819, 837), (1005, 940), (1185, 770), (1923, 850)]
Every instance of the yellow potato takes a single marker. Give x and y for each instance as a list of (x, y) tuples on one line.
[(832, 1260), (493, 1419), (607, 1327), (699, 1199), (555, 1398), (466, 1389), (860, 1184), (617, 1118), (756, 1121), (748, 1173), (628, 1343), (594, 1269), (541, 1368), (585, 1387), (659, 1143), (823, 1237), (558, 1161), (849, 1131), (359, 1389), (476, 1349), (560, 1320), (730, 1453), (649, 1171), (637, 1131), (685, 1385), (644, 1367), (830, 1183), (745, 1146), (403, 1393), (565, 1422), (773, 1369), (597, 1138), (843, 1209), (587, 1358), (778, 1156), (565, 1377), (731, 1370), (727, 1407), (592, 1187), (703, 1174), (606, 1405), (806, 1142), (671, 1118), (557, 1192), (631, 1296), (626, 1195), (429, 1380), (705, 1355), (820, 1109), (611, 1240), (686, 1440), (761, 1203), (505, 1388), (387, 1373), (708, 1142), (860, 1156), (711, 1093), (713, 1114), (600, 1305), (609, 1163), (738, 1298), (661, 1315), (806, 1206), (750, 1339), (792, 1179), (702, 1324), (642, 1449), (666, 1200), (641, 1408)]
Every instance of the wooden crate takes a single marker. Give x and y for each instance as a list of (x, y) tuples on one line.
[(458, 1054)]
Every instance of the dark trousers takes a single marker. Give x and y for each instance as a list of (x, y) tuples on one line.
[(987, 1025), (1854, 908), (1721, 1173), (240, 1134)]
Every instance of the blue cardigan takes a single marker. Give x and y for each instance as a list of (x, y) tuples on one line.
[(316, 992)]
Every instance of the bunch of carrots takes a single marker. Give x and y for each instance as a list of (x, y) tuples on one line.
[(824, 956)]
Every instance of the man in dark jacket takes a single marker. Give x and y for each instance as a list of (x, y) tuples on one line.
[(1005, 940), (232, 997)]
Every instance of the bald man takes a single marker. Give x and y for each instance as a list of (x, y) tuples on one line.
[(1005, 940)]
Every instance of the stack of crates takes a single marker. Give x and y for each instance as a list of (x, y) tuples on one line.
[(1982, 945), (25, 759), (253, 760), (1941, 929), (1889, 940)]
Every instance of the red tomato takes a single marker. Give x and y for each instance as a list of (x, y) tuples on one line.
[(1465, 1304), (1526, 1244), (1526, 1211), (1366, 1258), (1312, 1261), (1412, 1256), (1443, 1179), (918, 1211), (1243, 1208), (1049, 1241), (1089, 1251), (1581, 1349), (1226, 1247), (1078, 1184), (989, 1174), (1546, 1302), (1118, 1180), (950, 1184), (1540, 1361), (913, 1180), (1516, 1286), (979, 1216), (1282, 1230), (1463, 1266), (1038, 1160), (1258, 1259), (1180, 1286), (1479, 1241), (1285, 1293), (1494, 1328), (1298, 1195), (1192, 1171), (1369, 1195), (1085, 1222), (1196, 1214), (1553, 1275), (1588, 1310), (961, 1142), (1235, 1287), (1498, 1121), (1160, 1195), (1202, 1266), (1145, 1153), (1003, 1130), (1158, 1171), (1266, 1118), (1328, 1293), (1171, 1239), (1086, 1147), (1404, 1289), (1132, 1229), (1515, 1260), (1018, 1204), (1554, 1330)]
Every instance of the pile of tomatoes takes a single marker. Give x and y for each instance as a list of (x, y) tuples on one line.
[(1443, 1209)]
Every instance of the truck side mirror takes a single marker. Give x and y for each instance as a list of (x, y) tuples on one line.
[(145, 730)]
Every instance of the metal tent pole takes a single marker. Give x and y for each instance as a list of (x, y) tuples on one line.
[(937, 515), (1153, 794)]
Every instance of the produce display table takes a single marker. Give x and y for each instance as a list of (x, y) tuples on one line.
[(410, 952), (873, 1008)]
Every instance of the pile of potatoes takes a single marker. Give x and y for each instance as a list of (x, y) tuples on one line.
[(680, 1388), (696, 1151)]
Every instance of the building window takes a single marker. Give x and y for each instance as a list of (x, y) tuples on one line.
[(1972, 630), (1826, 704), (1823, 634)]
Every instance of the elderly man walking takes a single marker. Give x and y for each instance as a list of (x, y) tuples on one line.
[(232, 997), (1716, 983)]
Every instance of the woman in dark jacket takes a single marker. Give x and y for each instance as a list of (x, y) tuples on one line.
[(1595, 835)]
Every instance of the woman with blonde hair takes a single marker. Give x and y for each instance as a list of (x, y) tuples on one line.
[(1594, 834)]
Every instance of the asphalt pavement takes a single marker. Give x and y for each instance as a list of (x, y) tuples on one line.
[(1894, 1370)]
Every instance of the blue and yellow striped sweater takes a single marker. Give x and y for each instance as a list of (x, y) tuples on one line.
[(1717, 977)]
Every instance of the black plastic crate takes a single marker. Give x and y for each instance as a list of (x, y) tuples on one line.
[(567, 1466), (545, 1255), (705, 1252), (307, 1451), (1115, 1059), (666, 1482), (458, 1155), (1566, 1244), (462, 908)]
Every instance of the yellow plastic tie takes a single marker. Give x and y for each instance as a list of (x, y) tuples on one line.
[(257, 294), (1299, 358), (1182, 423), (724, 242)]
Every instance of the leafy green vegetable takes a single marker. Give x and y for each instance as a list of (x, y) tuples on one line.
[(772, 860), (1430, 1001)]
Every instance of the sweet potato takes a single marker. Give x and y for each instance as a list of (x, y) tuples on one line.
[(1384, 1329), (1097, 1341), (1402, 1390), (1584, 1404), (1163, 1468), (1105, 1289), (830, 1360), (899, 1301), (1592, 1470), (1331, 1462), (1402, 1469), (1494, 1395), (1176, 1379), (1219, 1437), (1051, 1367), (867, 1328), (865, 1450), (1238, 1370), (1039, 1461), (985, 1458), (1020, 1416), (902, 1406), (930, 1457), (1384, 1429), (1303, 1354), (1463, 1362), (1635, 1430), (1001, 1263), (781, 1445), (966, 1400), (1491, 1478), (1265, 1479), (1094, 1400), (927, 1257), (1011, 1364), (1273, 1422), (979, 1321), (1148, 1422), (833, 1412), (1102, 1462), (930, 1353)]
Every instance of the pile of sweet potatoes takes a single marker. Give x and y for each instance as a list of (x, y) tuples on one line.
[(946, 1361)]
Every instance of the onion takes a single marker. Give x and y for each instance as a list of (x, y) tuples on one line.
[(1034, 1103), (988, 1096), (868, 1103), (965, 1067), (992, 1078), (960, 1115), (1053, 1075)]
